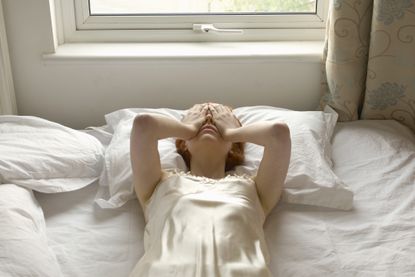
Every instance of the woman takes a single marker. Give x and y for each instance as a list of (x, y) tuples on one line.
[(204, 222)]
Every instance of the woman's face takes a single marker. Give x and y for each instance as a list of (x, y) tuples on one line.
[(209, 128), (208, 137)]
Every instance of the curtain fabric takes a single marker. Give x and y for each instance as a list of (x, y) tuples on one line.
[(369, 60)]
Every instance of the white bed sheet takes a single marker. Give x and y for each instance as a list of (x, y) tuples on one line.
[(377, 238)]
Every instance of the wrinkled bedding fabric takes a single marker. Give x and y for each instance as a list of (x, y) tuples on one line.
[(24, 249), (376, 238)]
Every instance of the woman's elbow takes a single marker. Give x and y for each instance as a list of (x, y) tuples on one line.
[(280, 131), (143, 123)]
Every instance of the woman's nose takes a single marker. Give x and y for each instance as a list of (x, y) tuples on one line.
[(209, 116)]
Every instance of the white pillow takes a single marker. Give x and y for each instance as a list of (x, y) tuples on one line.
[(116, 177), (46, 156), (310, 179), (23, 243)]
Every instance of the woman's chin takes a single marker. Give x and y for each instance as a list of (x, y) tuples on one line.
[(210, 142), (208, 136)]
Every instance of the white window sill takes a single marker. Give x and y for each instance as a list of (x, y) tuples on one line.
[(284, 51)]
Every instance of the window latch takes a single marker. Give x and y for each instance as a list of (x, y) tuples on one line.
[(209, 28)]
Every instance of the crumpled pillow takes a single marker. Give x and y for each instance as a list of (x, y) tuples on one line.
[(47, 157), (24, 249), (310, 179)]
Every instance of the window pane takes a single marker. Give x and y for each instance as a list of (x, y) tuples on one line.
[(129, 7)]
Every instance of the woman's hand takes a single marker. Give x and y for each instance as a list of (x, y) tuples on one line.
[(195, 117), (223, 118)]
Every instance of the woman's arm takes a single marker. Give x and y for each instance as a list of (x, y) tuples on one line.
[(275, 137), (145, 160)]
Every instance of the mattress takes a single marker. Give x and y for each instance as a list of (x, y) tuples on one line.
[(376, 159)]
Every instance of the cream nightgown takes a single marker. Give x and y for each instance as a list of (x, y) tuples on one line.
[(197, 226)]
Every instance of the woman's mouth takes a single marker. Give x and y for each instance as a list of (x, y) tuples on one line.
[(208, 128)]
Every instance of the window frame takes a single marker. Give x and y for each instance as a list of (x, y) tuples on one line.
[(77, 25)]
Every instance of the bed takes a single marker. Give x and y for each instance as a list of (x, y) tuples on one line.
[(375, 236)]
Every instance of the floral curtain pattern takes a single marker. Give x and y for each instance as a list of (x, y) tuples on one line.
[(369, 60)]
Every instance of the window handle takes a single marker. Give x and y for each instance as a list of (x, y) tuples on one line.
[(207, 28)]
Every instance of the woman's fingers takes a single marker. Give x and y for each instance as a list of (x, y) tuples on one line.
[(195, 113), (222, 109), (213, 108), (199, 109)]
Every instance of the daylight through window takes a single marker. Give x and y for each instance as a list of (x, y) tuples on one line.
[(166, 7)]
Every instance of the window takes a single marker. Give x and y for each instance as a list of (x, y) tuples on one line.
[(191, 20), (131, 7)]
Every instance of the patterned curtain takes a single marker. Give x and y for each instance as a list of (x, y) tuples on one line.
[(369, 60)]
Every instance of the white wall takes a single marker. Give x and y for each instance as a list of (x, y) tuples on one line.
[(79, 94), (7, 98)]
